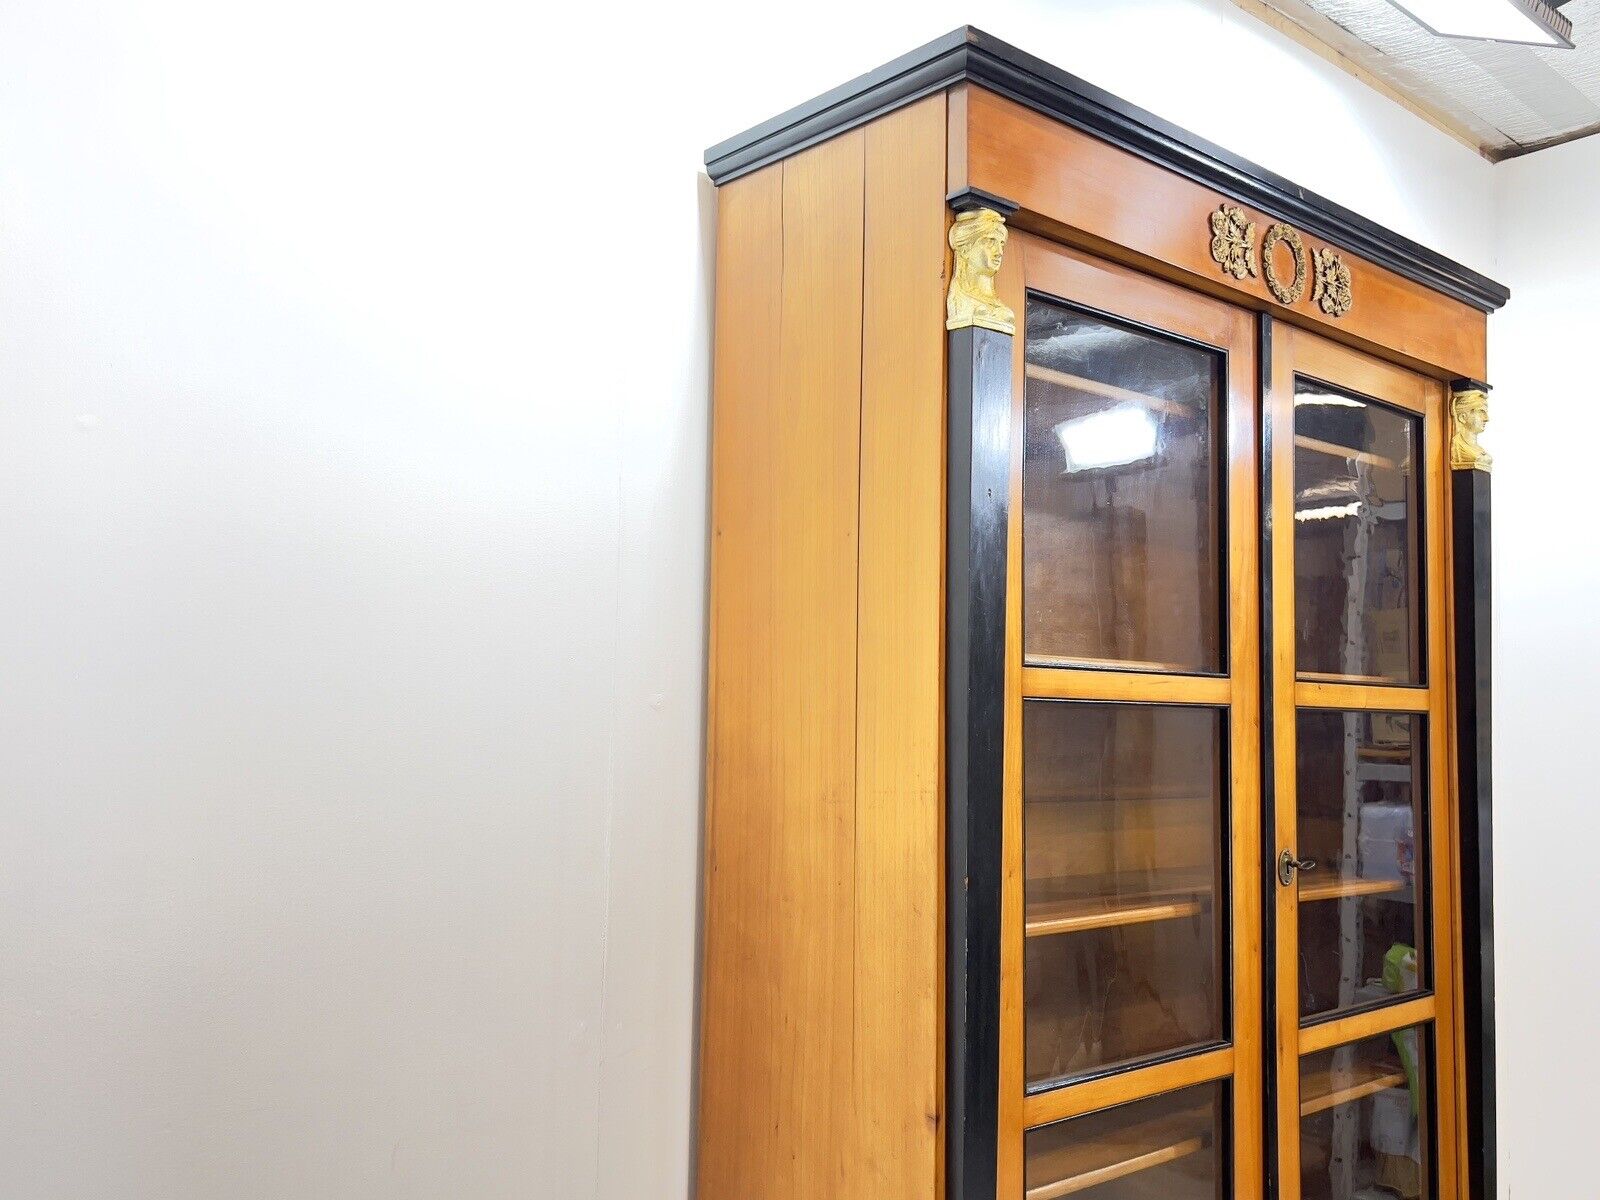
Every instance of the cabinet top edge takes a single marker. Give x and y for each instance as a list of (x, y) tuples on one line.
[(968, 55)]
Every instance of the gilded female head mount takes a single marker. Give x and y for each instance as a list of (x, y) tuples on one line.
[(978, 240)]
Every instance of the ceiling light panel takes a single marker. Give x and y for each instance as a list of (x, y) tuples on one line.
[(1527, 22)]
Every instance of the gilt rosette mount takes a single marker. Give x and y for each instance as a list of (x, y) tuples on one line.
[(1233, 238), (1234, 249), (978, 243), (1331, 289)]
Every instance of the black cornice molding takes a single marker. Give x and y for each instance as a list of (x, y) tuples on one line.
[(970, 55)]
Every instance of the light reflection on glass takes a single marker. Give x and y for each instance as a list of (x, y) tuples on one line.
[(1122, 497)]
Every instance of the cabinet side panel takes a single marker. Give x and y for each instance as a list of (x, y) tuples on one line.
[(778, 991), (899, 826)]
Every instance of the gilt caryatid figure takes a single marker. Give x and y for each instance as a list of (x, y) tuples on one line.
[(978, 238), (1469, 412)]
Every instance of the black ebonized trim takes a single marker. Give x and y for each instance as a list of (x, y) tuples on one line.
[(1269, 784), (971, 198), (979, 472), (970, 55), (1470, 527)]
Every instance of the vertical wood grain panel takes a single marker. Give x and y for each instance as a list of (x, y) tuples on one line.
[(778, 993), (749, 306), (899, 718)]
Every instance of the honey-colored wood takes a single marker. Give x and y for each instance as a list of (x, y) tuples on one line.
[(1360, 695), (1327, 1034), (823, 998), (1126, 1161), (1045, 1108), (1077, 189), (778, 983), (1335, 450), (1345, 889), (956, 140), (1442, 806), (1135, 665), (1278, 408), (1011, 286), (1244, 657), (1350, 371), (898, 1029), (1077, 278), (1364, 1081), (1063, 683), (1075, 916), (1297, 351), (822, 981)]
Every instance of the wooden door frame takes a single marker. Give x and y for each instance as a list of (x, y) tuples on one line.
[(1038, 266), (1292, 352)]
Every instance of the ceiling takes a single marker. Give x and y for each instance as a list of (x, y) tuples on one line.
[(1503, 100)]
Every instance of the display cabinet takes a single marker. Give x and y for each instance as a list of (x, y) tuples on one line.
[(1097, 750)]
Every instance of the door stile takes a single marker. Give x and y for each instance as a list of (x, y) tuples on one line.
[(1278, 413), (1441, 801), (1011, 287), (1244, 716)]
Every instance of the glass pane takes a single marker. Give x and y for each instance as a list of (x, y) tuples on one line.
[(1358, 790), (1122, 511), (1122, 828), (1166, 1148), (1356, 513), (1365, 1111)]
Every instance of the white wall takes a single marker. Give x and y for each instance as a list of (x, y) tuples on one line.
[(1547, 659), (353, 416)]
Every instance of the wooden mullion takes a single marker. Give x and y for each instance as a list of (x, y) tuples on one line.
[(1061, 683), (1360, 1026), (1278, 407), (1141, 1083), (1243, 467), (1362, 696), (1444, 836)]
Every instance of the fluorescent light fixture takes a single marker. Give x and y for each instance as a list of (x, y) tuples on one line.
[(1112, 438), (1527, 22), (1331, 511)]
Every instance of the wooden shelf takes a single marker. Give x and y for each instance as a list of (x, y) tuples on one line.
[(1133, 793), (1371, 680), (1077, 1167), (1340, 889), (1047, 917), (1144, 666), (1334, 450), (1367, 1079), (1111, 391)]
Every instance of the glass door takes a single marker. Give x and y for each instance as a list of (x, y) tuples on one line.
[(1359, 770), (1131, 1019)]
